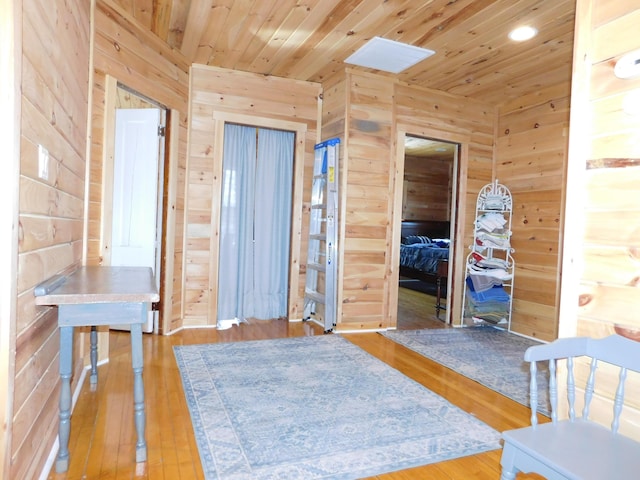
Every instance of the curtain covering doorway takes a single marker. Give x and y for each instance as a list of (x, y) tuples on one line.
[(255, 224)]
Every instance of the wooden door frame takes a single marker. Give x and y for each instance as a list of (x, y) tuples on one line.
[(300, 129), (106, 215), (458, 194)]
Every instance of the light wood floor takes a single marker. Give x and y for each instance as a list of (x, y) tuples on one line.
[(418, 310), (102, 440)]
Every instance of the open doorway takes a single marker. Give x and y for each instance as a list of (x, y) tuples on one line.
[(134, 179), (427, 231)]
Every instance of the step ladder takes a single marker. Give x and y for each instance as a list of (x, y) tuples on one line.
[(320, 297)]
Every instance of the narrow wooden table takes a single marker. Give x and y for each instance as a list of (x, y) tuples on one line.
[(94, 296)]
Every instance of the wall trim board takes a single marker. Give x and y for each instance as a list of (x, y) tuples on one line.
[(11, 119), (577, 153)]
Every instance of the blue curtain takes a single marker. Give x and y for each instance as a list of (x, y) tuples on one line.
[(255, 224)]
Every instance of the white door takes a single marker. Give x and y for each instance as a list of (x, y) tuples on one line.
[(134, 234)]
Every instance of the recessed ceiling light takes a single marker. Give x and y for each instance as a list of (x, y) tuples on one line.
[(523, 33), (388, 55)]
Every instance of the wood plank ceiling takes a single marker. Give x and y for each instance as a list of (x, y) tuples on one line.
[(309, 39)]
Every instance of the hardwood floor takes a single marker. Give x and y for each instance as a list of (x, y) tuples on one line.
[(418, 310), (102, 443)]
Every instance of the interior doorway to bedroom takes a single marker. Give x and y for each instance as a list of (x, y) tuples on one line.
[(427, 232)]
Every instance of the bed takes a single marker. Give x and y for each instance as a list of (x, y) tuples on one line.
[(424, 245)]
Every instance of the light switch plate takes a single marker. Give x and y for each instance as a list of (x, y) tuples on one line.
[(43, 162)]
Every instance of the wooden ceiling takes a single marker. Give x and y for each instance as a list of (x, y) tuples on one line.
[(309, 39), (425, 148)]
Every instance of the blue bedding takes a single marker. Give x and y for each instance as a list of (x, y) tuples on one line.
[(423, 256)]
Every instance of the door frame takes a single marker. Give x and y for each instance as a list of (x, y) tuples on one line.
[(458, 209), (112, 87), (300, 129)]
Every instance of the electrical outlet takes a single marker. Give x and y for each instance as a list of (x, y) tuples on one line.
[(43, 162)]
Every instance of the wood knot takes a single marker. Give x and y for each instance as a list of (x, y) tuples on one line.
[(634, 252), (116, 45), (635, 282), (584, 299)]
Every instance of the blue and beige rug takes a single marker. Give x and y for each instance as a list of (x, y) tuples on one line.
[(488, 355), (316, 408)]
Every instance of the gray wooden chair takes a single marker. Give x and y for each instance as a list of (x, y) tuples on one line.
[(576, 448)]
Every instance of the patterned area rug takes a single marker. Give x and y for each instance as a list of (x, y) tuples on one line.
[(316, 408), (488, 355)]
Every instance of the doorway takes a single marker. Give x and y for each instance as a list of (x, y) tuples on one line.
[(255, 224), (137, 187), (429, 185)]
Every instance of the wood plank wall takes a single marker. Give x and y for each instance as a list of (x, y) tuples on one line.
[(214, 93), (600, 277), (368, 112), (367, 191), (609, 283), (133, 56), (532, 142), (54, 115), (427, 183)]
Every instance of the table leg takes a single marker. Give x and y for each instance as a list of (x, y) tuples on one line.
[(66, 356), (138, 391), (438, 286), (93, 378)]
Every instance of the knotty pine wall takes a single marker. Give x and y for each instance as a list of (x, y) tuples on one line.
[(427, 183), (126, 52), (255, 100), (609, 281), (54, 95), (371, 114), (602, 233), (367, 190), (531, 151)]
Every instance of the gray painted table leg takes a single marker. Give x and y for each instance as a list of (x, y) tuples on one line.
[(93, 378), (138, 390), (66, 354)]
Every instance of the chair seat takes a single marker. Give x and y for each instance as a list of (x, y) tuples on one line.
[(579, 450)]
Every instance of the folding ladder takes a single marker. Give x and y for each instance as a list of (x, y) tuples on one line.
[(320, 298)]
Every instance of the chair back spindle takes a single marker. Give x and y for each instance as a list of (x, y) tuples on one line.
[(533, 393), (619, 400), (571, 389), (553, 390), (589, 388)]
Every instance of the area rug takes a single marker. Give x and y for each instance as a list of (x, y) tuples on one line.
[(316, 408), (491, 356)]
